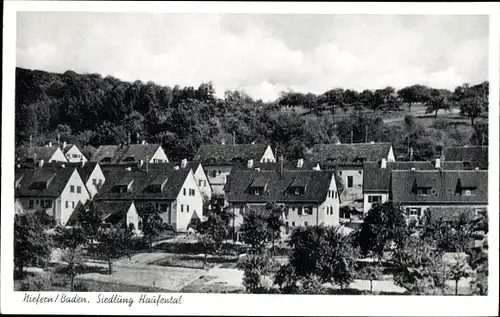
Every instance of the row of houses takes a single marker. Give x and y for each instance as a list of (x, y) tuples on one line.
[(121, 179)]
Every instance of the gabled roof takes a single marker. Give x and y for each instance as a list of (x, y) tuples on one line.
[(278, 186), (444, 185), (477, 155), (348, 153), (287, 165), (114, 212), (141, 180), (121, 154), (56, 176), (456, 165), (229, 153), (28, 153), (377, 179), (67, 148)]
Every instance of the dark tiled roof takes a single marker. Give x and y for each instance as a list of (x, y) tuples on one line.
[(120, 154), (141, 183), (171, 165), (287, 165), (348, 153), (444, 184), (278, 186), (57, 176), (42, 153), (66, 149), (451, 212), (456, 165), (229, 153), (114, 212), (478, 156), (377, 179)]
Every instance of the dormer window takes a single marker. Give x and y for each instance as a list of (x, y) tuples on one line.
[(297, 191), (123, 187), (106, 159), (465, 188), (359, 159), (258, 186), (129, 159)]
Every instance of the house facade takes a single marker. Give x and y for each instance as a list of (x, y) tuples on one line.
[(56, 189), (347, 160), (308, 197), (93, 176), (442, 192), (73, 153), (129, 154), (36, 154), (218, 160), (174, 192)]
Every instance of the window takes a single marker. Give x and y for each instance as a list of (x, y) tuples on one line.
[(468, 192), (94, 181), (299, 211), (350, 181), (424, 191), (184, 191), (297, 191), (79, 189), (305, 223), (213, 173), (374, 199), (182, 208), (31, 203), (413, 211), (200, 182), (187, 208), (67, 204), (257, 191), (336, 193), (293, 223), (308, 210), (329, 193), (204, 183), (72, 188), (219, 172), (340, 172), (72, 204), (37, 202), (139, 225)]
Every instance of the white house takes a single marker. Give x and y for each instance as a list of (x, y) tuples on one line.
[(132, 153), (347, 160), (218, 160), (174, 192), (57, 189), (73, 153), (93, 177), (308, 197), (49, 153)]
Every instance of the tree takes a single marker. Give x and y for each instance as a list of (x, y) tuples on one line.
[(257, 268), (383, 224), (90, 220), (71, 241), (413, 94), (436, 102), (254, 230), (479, 282), (480, 134), (152, 224), (31, 244), (323, 252), (371, 273), (458, 270), (419, 268), (212, 232), (113, 243), (274, 220), (471, 102)]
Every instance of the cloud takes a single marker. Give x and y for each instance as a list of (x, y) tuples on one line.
[(261, 55)]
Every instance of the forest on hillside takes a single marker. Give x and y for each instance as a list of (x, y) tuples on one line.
[(88, 109)]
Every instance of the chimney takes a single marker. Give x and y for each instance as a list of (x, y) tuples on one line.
[(317, 167), (383, 164), (372, 142), (223, 142), (40, 163), (184, 163), (64, 144), (50, 144), (141, 162), (338, 142), (413, 168), (128, 169), (476, 168), (176, 167), (143, 142), (253, 142), (438, 163), (250, 163), (18, 165), (300, 163), (257, 169), (63, 165)]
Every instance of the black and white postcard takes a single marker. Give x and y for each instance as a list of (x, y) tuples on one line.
[(250, 158)]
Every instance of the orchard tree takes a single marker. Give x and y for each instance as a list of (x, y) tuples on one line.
[(436, 102), (470, 101), (384, 223), (90, 221), (254, 230), (114, 243), (274, 221), (71, 241), (212, 232), (31, 244), (414, 94), (152, 224), (458, 269)]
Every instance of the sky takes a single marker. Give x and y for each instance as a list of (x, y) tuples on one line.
[(261, 55)]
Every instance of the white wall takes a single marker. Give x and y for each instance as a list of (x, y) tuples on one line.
[(72, 198), (93, 182), (355, 192), (268, 155), (292, 217), (195, 203), (333, 202), (58, 156), (202, 181), (133, 218), (159, 156), (220, 179), (390, 156), (74, 155), (367, 206)]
